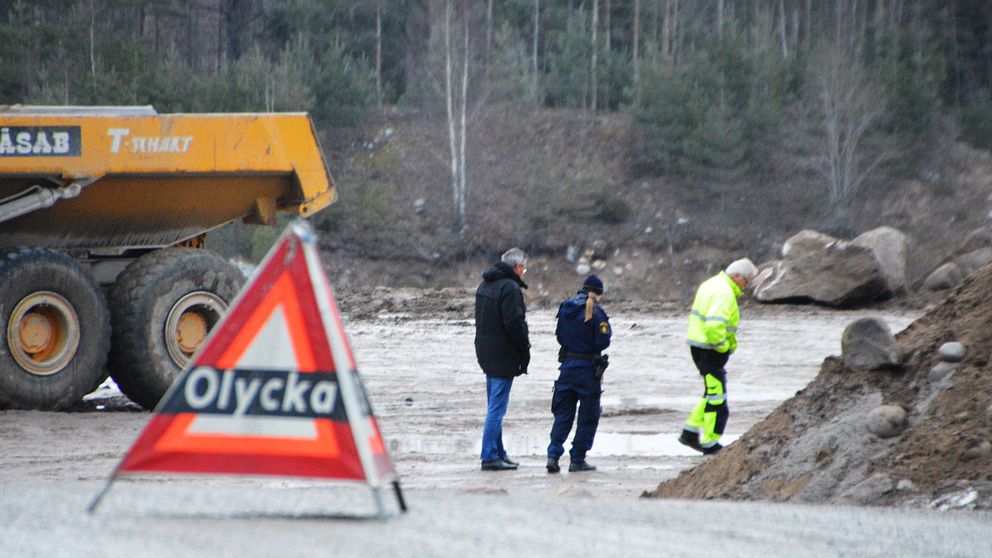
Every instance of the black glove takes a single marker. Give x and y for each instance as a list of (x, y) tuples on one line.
[(524, 362)]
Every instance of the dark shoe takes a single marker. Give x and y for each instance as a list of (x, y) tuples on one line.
[(712, 449), (690, 439), (497, 465), (580, 466), (509, 461), (553, 466)]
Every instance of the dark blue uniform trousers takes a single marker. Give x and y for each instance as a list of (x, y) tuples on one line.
[(575, 386)]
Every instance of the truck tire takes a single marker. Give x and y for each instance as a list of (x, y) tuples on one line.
[(162, 307), (54, 330)]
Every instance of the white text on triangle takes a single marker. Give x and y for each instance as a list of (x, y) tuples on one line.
[(288, 393)]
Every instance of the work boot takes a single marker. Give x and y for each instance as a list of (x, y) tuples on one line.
[(497, 465), (580, 466), (508, 461), (712, 449), (690, 439), (553, 466)]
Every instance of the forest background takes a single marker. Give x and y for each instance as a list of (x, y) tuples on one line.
[(647, 140)]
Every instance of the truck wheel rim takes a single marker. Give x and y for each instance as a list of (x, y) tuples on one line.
[(190, 320), (43, 333)]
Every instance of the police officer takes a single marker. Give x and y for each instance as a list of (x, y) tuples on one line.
[(712, 337), (583, 332)]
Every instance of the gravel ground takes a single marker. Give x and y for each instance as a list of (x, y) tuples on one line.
[(428, 394)]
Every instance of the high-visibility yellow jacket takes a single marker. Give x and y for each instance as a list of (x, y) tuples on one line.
[(714, 317)]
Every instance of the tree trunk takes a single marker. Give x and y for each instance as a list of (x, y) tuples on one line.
[(636, 51), (93, 44), (534, 86), (378, 51), (670, 38), (449, 93), (666, 35), (719, 19), (783, 36), (593, 78), (456, 99), (607, 24), (462, 177), (489, 33)]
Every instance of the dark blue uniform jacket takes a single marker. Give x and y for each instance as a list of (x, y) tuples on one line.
[(579, 336)]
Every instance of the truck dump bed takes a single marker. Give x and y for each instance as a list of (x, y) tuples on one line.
[(107, 180)]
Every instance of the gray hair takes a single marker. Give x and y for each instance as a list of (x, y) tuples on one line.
[(514, 257), (743, 267)]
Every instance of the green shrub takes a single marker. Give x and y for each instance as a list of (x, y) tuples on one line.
[(713, 116)]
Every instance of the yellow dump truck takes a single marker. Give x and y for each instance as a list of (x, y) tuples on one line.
[(103, 212)]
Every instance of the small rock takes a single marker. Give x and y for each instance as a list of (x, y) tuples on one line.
[(956, 500), (583, 267), (572, 254), (952, 352), (941, 370), (905, 484), (599, 265), (618, 270), (980, 451), (887, 421), (871, 489)]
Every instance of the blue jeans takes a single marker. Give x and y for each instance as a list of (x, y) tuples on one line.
[(498, 397)]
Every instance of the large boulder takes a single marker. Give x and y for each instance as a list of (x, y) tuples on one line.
[(868, 344), (889, 247), (977, 239), (969, 262), (944, 277), (975, 251), (819, 268)]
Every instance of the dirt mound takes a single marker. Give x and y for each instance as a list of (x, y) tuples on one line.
[(816, 448)]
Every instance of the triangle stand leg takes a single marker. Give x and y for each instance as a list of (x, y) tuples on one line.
[(399, 496), (99, 497)]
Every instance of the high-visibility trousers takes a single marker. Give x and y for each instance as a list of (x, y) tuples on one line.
[(709, 417)]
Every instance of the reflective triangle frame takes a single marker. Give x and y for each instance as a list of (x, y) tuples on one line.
[(175, 439)]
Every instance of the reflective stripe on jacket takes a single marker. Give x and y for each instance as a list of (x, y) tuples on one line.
[(714, 317)]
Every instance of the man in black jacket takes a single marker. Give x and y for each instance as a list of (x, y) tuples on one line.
[(501, 346)]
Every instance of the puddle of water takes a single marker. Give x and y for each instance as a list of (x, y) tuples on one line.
[(607, 443), (657, 402)]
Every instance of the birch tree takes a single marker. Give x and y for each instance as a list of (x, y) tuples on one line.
[(534, 68), (455, 94), (378, 51), (593, 77), (850, 106), (637, 53)]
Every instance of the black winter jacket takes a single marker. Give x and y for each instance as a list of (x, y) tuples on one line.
[(502, 345)]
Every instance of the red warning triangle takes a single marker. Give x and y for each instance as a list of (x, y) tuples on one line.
[(274, 390)]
